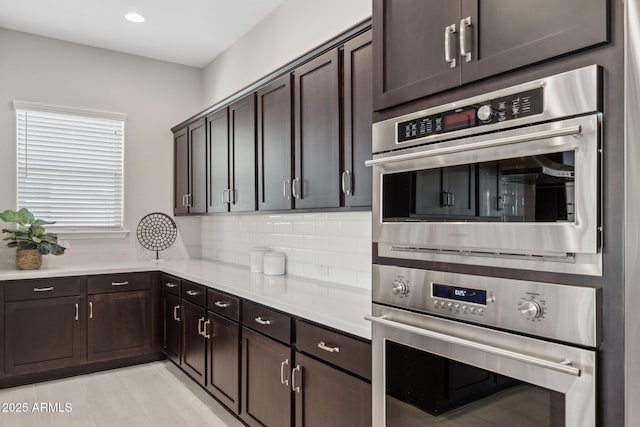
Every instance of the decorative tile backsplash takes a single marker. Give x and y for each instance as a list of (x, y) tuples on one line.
[(333, 247)]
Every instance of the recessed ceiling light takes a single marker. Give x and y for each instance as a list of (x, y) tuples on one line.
[(134, 17)]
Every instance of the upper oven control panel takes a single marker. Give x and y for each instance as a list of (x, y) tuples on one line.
[(533, 308), (555, 97), (496, 110)]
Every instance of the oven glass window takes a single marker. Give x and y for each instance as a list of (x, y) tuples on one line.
[(538, 188), (423, 389)]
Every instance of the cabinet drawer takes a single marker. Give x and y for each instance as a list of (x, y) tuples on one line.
[(270, 322), (118, 283), (43, 288), (224, 304), (171, 284), (333, 347), (194, 293)]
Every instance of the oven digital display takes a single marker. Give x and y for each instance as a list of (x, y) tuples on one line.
[(458, 293), (460, 120)]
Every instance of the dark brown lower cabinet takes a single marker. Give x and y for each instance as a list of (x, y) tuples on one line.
[(266, 389), (194, 343), (223, 360), (42, 334), (172, 327), (326, 396), (119, 324)]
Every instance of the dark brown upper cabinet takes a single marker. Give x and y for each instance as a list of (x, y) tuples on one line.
[(275, 145), (426, 46), (232, 157), (190, 147), (317, 133), (358, 108)]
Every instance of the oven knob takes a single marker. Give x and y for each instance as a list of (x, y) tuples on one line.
[(484, 112), (531, 309), (400, 287)]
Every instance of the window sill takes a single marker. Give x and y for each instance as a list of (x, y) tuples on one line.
[(91, 234)]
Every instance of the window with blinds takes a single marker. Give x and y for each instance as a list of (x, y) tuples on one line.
[(70, 166)]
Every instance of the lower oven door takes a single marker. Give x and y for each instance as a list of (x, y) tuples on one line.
[(431, 371)]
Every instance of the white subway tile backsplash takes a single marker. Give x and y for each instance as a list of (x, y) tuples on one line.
[(334, 247)]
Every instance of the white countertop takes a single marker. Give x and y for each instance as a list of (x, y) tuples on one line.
[(338, 306)]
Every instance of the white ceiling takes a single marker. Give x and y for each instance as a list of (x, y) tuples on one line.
[(190, 32)]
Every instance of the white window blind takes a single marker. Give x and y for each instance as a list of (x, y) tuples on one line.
[(70, 167)]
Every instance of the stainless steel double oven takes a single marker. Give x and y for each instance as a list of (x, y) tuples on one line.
[(509, 179)]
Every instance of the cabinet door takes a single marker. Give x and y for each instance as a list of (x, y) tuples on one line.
[(172, 327), (266, 392), (218, 153), (409, 49), (242, 159), (223, 361), (317, 137), (197, 200), (507, 35), (42, 334), (194, 345), (119, 324), (358, 109), (274, 145), (326, 396), (180, 171)]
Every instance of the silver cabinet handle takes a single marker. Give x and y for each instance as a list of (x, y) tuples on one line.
[(184, 200), (90, 310), (295, 388), (283, 381), (323, 346), (171, 285), (77, 312), (225, 199), (176, 316), (200, 328), (119, 283), (563, 366), (294, 193), (192, 293), (464, 23), (262, 321), (448, 30), (204, 329), (221, 304), (285, 184), (345, 190), (48, 289)]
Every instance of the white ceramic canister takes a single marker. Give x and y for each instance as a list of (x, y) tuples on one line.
[(257, 258), (274, 263)]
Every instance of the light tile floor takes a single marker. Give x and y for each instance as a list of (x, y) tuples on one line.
[(156, 394)]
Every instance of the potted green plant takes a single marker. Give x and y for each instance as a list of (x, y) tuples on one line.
[(30, 238)]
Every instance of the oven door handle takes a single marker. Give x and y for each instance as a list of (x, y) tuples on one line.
[(551, 133), (563, 367)]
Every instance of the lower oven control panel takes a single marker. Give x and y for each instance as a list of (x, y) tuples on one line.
[(551, 310)]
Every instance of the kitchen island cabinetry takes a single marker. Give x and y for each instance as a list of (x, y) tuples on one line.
[(43, 325), (193, 315), (423, 47)]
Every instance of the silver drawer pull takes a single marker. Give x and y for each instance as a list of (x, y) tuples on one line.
[(262, 321), (77, 316), (176, 316), (282, 380), (119, 283), (221, 304), (49, 289), (192, 293), (204, 329), (200, 327), (294, 387), (323, 346), (171, 285)]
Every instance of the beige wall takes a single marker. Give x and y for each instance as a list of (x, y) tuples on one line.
[(156, 95), (290, 31)]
